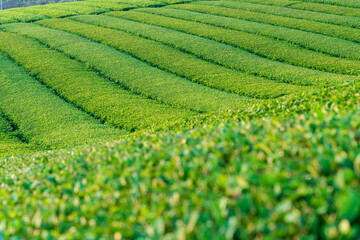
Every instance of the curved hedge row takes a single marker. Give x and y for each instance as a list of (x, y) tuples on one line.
[(330, 9), (137, 76), (33, 13), (220, 53), (346, 3), (348, 33), (84, 88), (261, 45), (14, 16), (299, 14), (43, 118), (177, 62), (106, 5), (310, 6), (225, 17)]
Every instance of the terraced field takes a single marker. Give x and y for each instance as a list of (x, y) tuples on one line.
[(178, 119)]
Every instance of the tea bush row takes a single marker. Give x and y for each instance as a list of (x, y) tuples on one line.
[(347, 33), (220, 53), (299, 14), (330, 9), (54, 10), (38, 12), (42, 118), (34, 13), (280, 3), (345, 3), (223, 17), (13, 16), (135, 75), (311, 6), (261, 45), (106, 5), (177, 62), (84, 88), (5, 20)]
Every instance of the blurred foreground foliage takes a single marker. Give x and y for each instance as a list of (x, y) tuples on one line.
[(286, 168)]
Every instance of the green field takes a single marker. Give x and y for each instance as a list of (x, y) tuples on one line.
[(172, 119)]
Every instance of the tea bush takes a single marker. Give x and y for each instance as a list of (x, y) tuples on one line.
[(217, 16), (150, 82), (41, 117), (200, 162), (85, 89), (261, 45), (344, 32), (300, 14), (224, 54), (177, 62), (293, 177)]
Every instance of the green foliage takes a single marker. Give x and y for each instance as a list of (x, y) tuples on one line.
[(58, 10), (220, 53), (279, 168), (281, 3), (5, 20), (107, 5), (347, 203), (150, 82), (348, 33), (274, 177), (145, 3), (261, 45), (14, 16), (224, 17), (86, 89), (173, 60), (318, 7), (344, 97), (310, 6), (300, 14), (63, 8), (9, 142), (345, 3), (154, 3), (41, 117)]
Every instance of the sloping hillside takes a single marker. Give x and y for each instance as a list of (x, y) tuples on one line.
[(180, 120), (125, 68)]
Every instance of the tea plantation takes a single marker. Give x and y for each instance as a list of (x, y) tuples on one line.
[(173, 119)]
